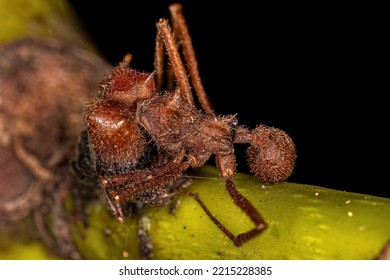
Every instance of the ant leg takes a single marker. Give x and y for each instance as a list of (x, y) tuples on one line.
[(159, 61), (165, 34), (226, 165), (180, 28), (142, 175), (115, 208), (248, 208), (162, 177), (149, 183), (241, 202), (159, 67)]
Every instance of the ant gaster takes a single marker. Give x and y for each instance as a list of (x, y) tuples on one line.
[(131, 116)]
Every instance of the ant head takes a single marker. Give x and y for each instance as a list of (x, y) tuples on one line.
[(271, 154), (127, 85)]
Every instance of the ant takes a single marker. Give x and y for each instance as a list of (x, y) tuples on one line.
[(139, 139)]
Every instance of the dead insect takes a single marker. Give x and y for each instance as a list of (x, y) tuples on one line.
[(131, 116)]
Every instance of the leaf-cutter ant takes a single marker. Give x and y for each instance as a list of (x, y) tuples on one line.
[(139, 139)]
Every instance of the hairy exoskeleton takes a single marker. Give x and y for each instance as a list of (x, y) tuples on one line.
[(131, 116)]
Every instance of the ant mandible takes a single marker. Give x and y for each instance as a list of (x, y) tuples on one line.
[(139, 139)]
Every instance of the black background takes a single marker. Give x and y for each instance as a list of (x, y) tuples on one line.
[(308, 68)]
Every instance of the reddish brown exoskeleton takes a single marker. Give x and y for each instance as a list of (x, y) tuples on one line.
[(140, 139)]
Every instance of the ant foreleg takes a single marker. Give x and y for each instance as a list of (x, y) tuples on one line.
[(146, 185), (115, 208)]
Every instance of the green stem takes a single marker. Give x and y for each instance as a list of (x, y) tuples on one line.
[(305, 222)]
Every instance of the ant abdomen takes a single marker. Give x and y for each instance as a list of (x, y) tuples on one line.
[(271, 154)]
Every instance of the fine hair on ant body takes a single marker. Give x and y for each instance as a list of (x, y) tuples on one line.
[(139, 139)]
